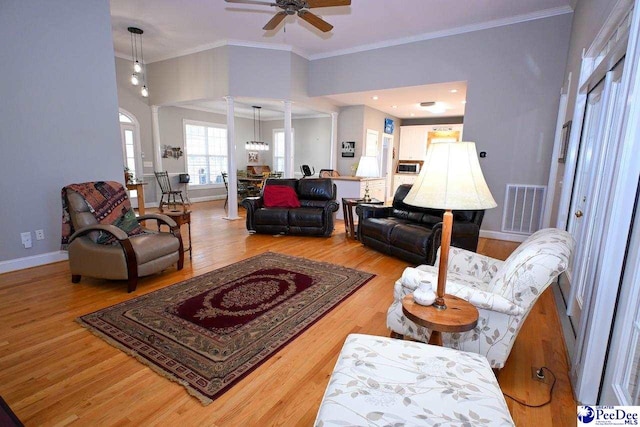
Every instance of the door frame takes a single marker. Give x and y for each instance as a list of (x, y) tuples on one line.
[(389, 166), (594, 330)]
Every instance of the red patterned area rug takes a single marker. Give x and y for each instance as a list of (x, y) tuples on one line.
[(208, 332)]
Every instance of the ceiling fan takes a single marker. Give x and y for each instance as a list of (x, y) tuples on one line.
[(291, 7)]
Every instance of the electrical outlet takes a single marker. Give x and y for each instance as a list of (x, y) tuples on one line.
[(26, 239), (39, 234), (545, 378)]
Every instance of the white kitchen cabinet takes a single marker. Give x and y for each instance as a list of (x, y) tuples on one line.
[(402, 178), (413, 142), (353, 187)]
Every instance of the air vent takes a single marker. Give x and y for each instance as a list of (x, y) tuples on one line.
[(523, 208)]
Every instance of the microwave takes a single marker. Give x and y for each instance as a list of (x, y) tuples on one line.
[(406, 167)]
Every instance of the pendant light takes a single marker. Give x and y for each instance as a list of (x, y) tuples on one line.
[(257, 143), (138, 76)]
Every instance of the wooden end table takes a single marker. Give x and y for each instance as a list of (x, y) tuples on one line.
[(459, 316), (181, 217), (347, 210)]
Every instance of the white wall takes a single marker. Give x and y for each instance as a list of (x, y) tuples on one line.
[(513, 74), (58, 113)]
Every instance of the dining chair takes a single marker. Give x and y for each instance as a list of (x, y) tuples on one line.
[(165, 187)]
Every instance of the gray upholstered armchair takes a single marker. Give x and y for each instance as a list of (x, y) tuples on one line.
[(105, 240)]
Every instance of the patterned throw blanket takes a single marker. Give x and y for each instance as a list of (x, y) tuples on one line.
[(109, 204)]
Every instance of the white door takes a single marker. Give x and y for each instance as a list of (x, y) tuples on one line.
[(589, 208), (579, 213), (621, 385)]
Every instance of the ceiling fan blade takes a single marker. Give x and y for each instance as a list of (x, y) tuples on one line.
[(251, 2), (275, 21), (315, 20), (328, 3)]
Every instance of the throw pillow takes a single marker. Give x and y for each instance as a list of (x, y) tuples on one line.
[(280, 196), (127, 223)]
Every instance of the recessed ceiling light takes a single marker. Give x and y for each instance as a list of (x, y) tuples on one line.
[(394, 106), (374, 97), (412, 114), (454, 91)]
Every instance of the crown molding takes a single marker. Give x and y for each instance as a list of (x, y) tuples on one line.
[(229, 42), (547, 13), (541, 14)]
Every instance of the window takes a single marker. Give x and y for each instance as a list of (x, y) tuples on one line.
[(206, 152), (278, 149), (130, 148)]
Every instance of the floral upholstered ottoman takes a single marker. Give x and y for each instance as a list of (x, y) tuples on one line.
[(381, 381)]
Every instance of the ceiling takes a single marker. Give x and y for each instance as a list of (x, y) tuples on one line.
[(172, 30)]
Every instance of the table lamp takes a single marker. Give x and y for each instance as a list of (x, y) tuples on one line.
[(367, 168), (450, 178)]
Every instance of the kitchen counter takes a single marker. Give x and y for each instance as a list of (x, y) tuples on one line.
[(353, 187)]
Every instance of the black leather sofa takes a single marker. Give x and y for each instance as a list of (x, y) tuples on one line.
[(412, 233), (314, 217)]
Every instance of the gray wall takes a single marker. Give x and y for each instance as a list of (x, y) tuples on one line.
[(513, 74), (312, 141), (171, 124), (202, 75), (350, 128), (129, 99), (58, 113)]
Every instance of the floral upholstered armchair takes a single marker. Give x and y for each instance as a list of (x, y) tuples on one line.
[(503, 292)]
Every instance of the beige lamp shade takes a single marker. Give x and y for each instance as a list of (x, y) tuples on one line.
[(451, 178), (368, 167)]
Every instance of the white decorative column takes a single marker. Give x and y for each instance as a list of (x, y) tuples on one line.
[(232, 205), (288, 142), (333, 161)]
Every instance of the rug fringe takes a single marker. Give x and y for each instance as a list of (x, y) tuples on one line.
[(193, 392)]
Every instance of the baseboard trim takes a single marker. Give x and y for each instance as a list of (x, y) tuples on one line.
[(207, 198), (32, 261), (509, 237)]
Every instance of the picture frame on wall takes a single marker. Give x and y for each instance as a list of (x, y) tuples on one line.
[(252, 156), (348, 148), (565, 136), (388, 126)]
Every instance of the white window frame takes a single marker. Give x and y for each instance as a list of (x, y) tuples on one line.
[(293, 143), (193, 184)]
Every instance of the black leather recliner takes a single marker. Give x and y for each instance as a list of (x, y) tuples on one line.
[(314, 217), (412, 233)]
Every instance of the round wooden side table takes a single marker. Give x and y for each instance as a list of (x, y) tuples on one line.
[(459, 316)]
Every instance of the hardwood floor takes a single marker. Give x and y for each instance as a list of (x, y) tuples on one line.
[(54, 372)]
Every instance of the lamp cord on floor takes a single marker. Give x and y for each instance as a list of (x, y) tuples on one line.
[(553, 383)]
